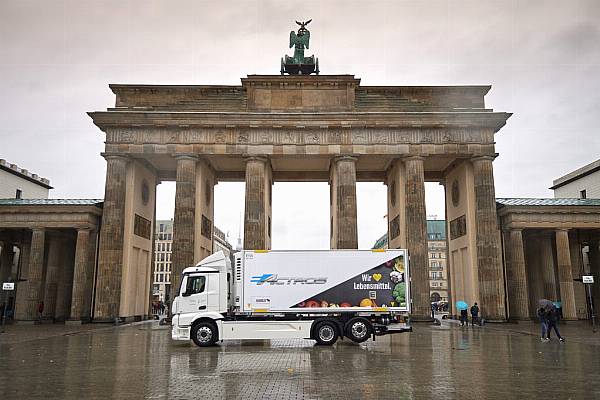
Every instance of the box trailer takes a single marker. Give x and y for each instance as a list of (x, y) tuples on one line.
[(321, 295)]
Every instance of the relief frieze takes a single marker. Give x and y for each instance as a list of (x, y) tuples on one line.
[(311, 137), (296, 136)]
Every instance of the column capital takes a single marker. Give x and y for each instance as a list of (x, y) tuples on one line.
[(186, 156), (344, 158), (115, 156), (83, 229), (263, 159), (415, 157), (487, 157), (562, 229), (38, 229)]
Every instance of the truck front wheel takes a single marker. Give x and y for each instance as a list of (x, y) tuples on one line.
[(204, 334), (326, 333), (358, 329)]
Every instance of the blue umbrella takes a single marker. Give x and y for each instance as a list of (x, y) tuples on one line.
[(461, 305)]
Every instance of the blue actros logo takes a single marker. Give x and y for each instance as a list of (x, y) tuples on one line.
[(260, 279), (273, 279)]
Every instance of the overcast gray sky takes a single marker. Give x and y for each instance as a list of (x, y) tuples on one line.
[(541, 57)]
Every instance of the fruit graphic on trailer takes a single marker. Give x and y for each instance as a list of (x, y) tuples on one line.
[(345, 304), (366, 303)]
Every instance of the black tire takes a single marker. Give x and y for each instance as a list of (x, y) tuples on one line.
[(358, 329), (326, 333), (205, 334)]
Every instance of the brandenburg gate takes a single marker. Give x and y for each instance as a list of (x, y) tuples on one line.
[(272, 128)]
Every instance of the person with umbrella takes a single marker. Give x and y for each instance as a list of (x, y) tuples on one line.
[(552, 317), (462, 307)]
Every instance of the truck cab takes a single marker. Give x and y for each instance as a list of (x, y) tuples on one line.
[(204, 293)]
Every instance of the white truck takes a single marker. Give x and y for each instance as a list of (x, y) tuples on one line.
[(320, 295)]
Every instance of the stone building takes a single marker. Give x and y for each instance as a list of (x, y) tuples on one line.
[(437, 251), (548, 245), (299, 128), (583, 183), (18, 183), (163, 251), (48, 249)]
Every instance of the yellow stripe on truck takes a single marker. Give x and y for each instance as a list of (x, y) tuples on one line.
[(261, 251), (378, 250)]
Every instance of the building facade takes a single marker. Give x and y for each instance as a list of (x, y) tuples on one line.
[(19, 183), (583, 183), (437, 250), (163, 252)]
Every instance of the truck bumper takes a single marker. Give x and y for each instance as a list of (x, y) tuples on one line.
[(381, 330), (180, 332)]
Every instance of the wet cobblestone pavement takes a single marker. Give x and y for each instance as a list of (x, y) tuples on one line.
[(446, 362)]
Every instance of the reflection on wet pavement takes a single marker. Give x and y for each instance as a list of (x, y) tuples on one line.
[(432, 362)]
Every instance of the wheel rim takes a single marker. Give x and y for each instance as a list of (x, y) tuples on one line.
[(204, 334), (326, 333), (359, 329)]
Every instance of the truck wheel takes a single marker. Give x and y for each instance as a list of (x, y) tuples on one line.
[(204, 334), (358, 329), (326, 333)]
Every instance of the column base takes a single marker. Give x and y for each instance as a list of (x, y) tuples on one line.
[(421, 318)]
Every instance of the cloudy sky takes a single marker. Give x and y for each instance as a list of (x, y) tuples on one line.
[(541, 57)]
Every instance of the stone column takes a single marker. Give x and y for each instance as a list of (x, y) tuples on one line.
[(80, 274), (257, 210), (6, 259), (344, 233), (516, 275), (416, 236), (53, 271), (396, 195), (65, 282), (35, 273), (183, 221), (565, 274), (489, 250), (546, 266), (110, 258), (594, 257)]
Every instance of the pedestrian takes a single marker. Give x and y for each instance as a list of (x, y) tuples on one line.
[(40, 311), (474, 314), (463, 317), (433, 307), (541, 313), (552, 316)]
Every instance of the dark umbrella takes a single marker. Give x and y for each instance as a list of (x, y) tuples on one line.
[(547, 304)]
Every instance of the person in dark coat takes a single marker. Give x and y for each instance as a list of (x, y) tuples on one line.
[(474, 314), (552, 316), (463, 317)]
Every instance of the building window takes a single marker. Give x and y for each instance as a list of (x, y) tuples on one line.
[(582, 194), (18, 194), (162, 228)]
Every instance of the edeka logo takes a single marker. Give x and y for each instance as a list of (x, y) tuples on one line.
[(273, 279)]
